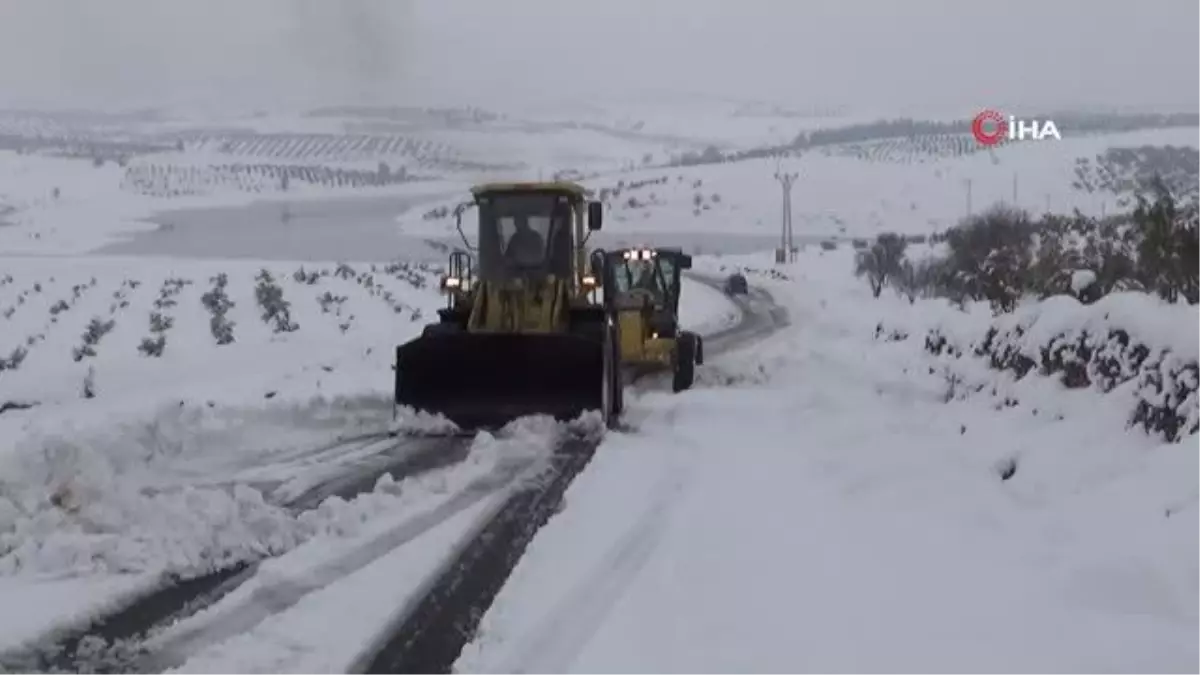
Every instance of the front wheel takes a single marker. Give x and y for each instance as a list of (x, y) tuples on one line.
[(612, 388), (685, 362)]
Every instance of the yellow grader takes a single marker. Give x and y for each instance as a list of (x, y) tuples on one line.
[(539, 326), (643, 287)]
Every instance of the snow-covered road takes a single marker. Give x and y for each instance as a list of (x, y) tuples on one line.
[(284, 641), (824, 509)]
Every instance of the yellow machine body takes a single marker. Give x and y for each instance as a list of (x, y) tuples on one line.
[(640, 345), (644, 286), (522, 334)]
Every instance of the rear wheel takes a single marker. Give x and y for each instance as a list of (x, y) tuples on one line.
[(685, 362), (612, 386), (618, 375)]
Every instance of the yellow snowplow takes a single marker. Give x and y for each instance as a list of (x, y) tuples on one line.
[(522, 332), (643, 285)]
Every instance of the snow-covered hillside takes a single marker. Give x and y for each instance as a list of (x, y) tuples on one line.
[(73, 184), (894, 188)]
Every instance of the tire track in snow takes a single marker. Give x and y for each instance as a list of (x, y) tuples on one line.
[(278, 596), (398, 459), (430, 637), (262, 472), (115, 641), (560, 635)]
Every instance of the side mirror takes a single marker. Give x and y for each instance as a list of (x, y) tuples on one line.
[(458, 225), (595, 215), (685, 262)]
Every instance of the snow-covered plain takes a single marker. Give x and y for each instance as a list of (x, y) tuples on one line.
[(823, 500)]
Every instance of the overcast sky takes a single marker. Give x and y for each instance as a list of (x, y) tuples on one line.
[(874, 54)]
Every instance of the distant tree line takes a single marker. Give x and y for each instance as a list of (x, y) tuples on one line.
[(1004, 254), (1071, 123)]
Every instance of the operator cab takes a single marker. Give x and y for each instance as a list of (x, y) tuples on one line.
[(641, 274), (525, 234)]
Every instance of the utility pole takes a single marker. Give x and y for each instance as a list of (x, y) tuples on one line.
[(968, 197), (1047, 202), (786, 240), (1014, 190)]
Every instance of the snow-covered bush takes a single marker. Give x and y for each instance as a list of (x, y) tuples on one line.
[(1128, 341), (882, 262), (331, 303), (97, 328), (14, 359), (303, 276), (414, 275), (218, 304), (275, 309), (153, 346), (1003, 255), (160, 321)]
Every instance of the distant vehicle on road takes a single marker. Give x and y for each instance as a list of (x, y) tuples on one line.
[(736, 284)]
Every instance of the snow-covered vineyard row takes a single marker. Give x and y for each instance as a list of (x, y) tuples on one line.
[(93, 331), (326, 147), (172, 180), (909, 150)]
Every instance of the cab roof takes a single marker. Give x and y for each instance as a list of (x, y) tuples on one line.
[(570, 188)]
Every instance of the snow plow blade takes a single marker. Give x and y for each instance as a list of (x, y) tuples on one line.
[(485, 380)]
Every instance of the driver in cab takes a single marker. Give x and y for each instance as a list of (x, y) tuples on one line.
[(525, 247), (645, 279)]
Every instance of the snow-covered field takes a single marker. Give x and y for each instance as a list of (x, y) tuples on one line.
[(911, 185), (160, 415), (850, 196), (825, 499)]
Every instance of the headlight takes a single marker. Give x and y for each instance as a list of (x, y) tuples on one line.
[(589, 280), (451, 283), (662, 327)]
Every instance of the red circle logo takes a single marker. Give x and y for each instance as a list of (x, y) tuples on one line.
[(989, 127)]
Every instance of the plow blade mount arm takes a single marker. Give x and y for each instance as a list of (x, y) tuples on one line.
[(485, 380)]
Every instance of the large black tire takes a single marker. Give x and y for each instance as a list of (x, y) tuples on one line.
[(685, 363), (618, 375), (613, 385)]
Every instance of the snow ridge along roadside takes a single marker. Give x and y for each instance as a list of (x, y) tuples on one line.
[(113, 641)]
